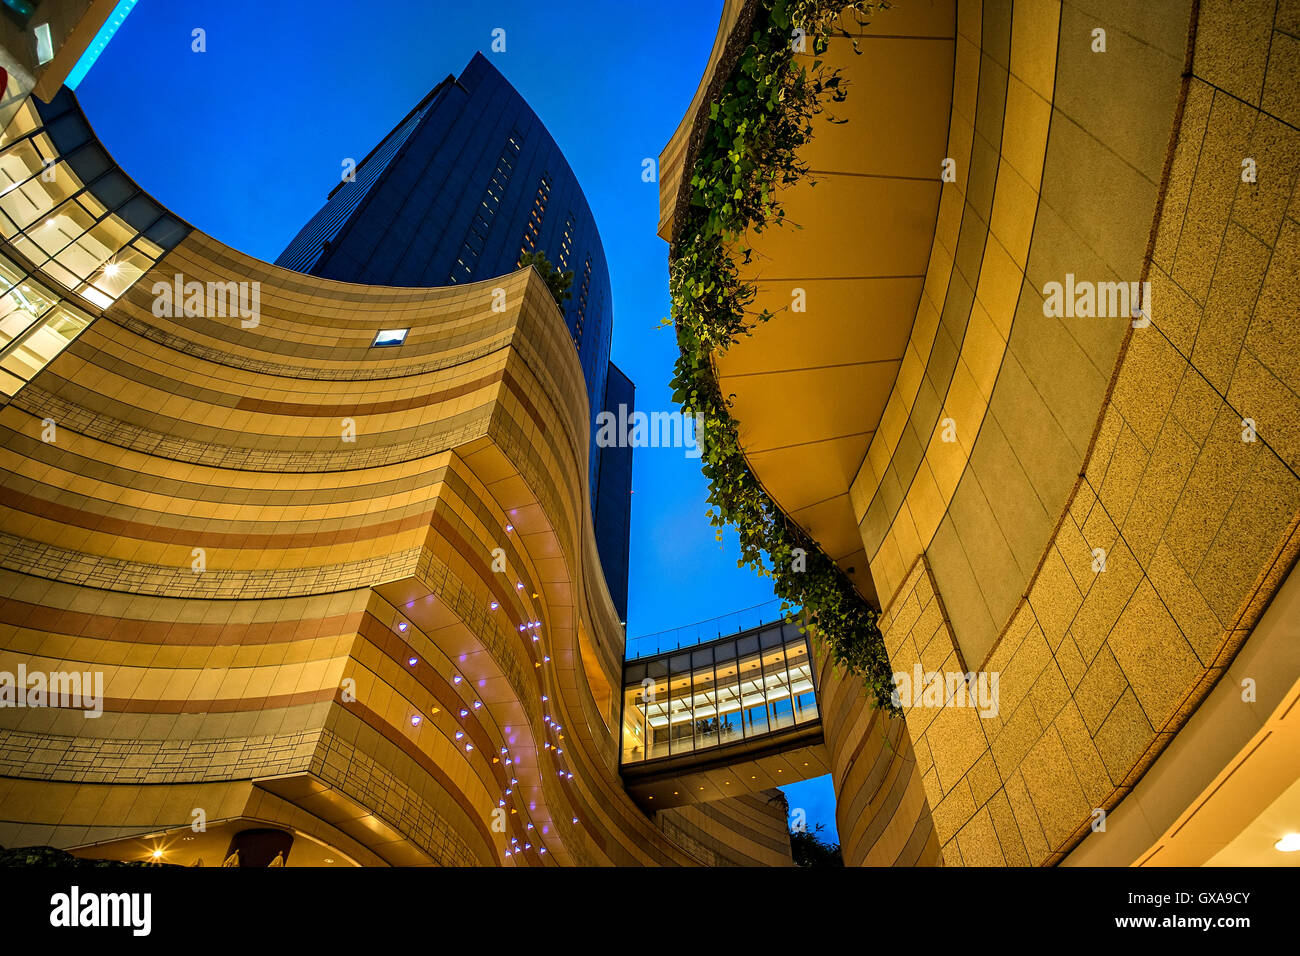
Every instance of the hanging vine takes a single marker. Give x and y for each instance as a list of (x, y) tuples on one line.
[(756, 126)]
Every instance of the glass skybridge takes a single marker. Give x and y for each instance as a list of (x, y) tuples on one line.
[(739, 688)]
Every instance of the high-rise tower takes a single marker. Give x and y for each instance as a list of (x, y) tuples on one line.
[(464, 185)]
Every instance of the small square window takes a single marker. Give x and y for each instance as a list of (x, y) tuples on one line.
[(389, 337)]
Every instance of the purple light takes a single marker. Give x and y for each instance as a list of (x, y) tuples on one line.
[(495, 605), (509, 528), (415, 720), (412, 661), (457, 679), (401, 625)]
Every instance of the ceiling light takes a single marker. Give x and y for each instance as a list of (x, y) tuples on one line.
[(1289, 843)]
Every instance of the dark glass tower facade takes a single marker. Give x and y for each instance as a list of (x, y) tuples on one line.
[(464, 185)]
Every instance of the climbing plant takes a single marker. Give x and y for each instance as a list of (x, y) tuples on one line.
[(556, 281), (757, 123)]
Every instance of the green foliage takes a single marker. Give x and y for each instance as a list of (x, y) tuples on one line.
[(808, 849), (558, 282), (759, 121)]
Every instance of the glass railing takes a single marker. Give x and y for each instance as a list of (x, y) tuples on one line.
[(701, 632), (751, 684)]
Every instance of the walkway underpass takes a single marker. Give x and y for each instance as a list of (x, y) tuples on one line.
[(722, 717)]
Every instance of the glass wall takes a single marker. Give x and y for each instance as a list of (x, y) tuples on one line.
[(35, 326), (719, 693), (69, 211)]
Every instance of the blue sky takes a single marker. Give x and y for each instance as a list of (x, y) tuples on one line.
[(258, 125)]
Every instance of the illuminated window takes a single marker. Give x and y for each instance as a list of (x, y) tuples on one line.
[(717, 693), (35, 326), (566, 243), (72, 214), (389, 337), (478, 230), (535, 217)]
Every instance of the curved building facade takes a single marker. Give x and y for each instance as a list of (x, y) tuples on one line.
[(1042, 409), (323, 598), (462, 187)]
